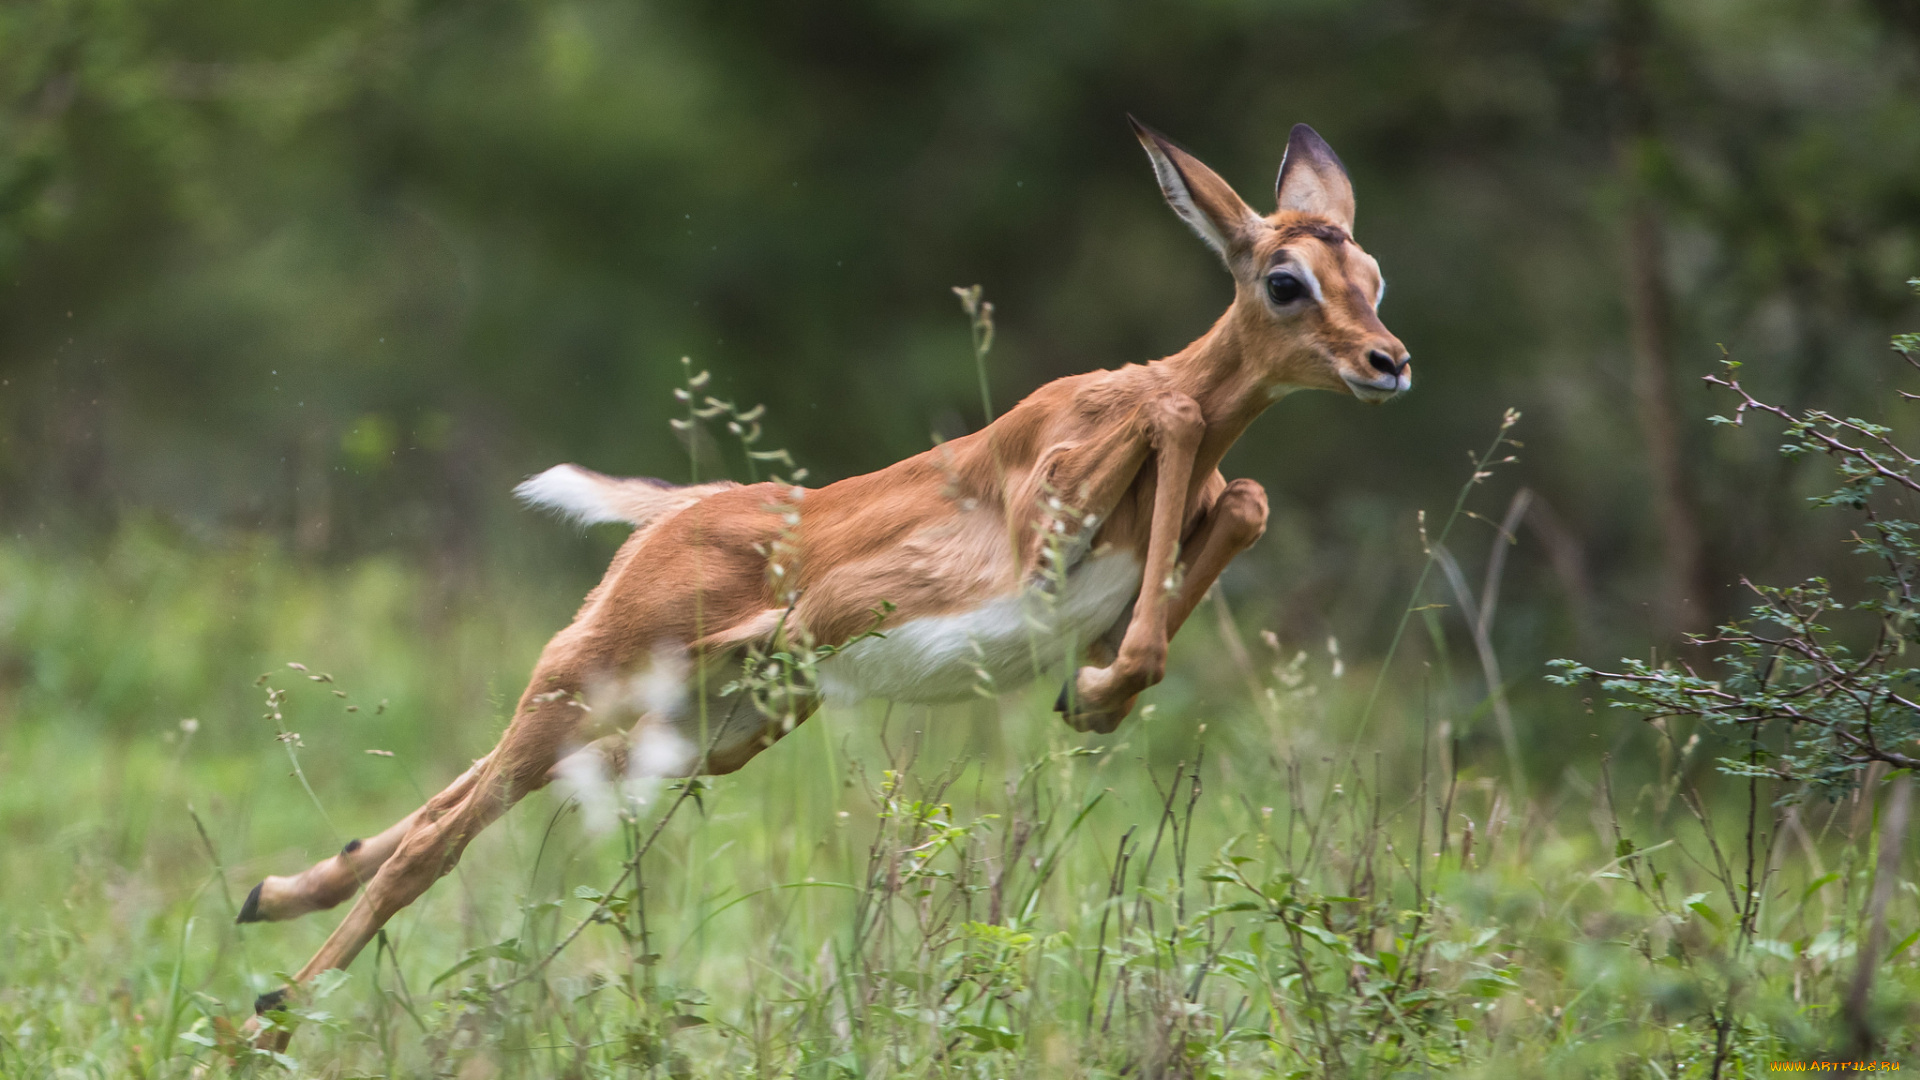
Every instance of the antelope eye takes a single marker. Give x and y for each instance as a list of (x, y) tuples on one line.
[(1283, 288)]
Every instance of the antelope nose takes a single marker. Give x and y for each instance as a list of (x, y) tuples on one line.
[(1386, 365)]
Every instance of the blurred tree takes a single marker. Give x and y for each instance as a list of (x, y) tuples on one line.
[(1683, 596), (342, 271)]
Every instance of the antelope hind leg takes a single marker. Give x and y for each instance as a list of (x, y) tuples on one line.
[(430, 849), (332, 880), (435, 836), (428, 843)]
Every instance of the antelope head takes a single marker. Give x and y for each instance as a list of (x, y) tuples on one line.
[(1305, 294)]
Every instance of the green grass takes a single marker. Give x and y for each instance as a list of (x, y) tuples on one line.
[(1242, 881)]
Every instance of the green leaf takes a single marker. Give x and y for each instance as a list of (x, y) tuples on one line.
[(1817, 885), (1705, 910), (1222, 909), (499, 950), (1325, 937), (326, 983), (1905, 944), (991, 1038), (1489, 984), (913, 980)]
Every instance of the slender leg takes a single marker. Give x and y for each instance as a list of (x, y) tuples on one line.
[(332, 880), (1174, 428), (1236, 519), (429, 852), (428, 844), (438, 833)]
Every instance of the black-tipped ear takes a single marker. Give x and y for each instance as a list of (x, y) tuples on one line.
[(1312, 180), (1204, 201)]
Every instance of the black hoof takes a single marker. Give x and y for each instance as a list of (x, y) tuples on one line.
[(250, 911), (1060, 703), (269, 1001), (352, 846)]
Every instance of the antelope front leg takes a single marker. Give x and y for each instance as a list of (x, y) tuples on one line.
[(1103, 696), (1236, 519)]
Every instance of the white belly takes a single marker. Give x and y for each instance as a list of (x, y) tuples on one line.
[(1008, 640)]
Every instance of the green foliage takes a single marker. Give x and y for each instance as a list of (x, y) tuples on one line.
[(1223, 889), (1785, 671)]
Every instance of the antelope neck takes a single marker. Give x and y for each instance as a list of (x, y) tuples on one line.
[(1230, 387)]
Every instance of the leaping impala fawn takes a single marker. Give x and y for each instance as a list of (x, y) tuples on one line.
[(946, 548)]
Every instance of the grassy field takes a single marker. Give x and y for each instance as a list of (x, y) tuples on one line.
[(1266, 871)]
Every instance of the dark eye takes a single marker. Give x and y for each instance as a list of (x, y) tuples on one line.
[(1283, 288)]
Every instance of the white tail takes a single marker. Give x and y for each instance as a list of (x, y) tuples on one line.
[(590, 498)]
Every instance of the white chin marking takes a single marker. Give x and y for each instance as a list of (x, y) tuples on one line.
[(942, 657)]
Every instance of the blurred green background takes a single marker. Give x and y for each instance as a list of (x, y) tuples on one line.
[(324, 279), (293, 293)]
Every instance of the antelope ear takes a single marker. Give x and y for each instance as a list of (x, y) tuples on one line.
[(1312, 180), (1203, 200)]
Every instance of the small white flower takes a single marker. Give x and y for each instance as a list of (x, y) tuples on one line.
[(657, 751), (584, 777), (661, 689)]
